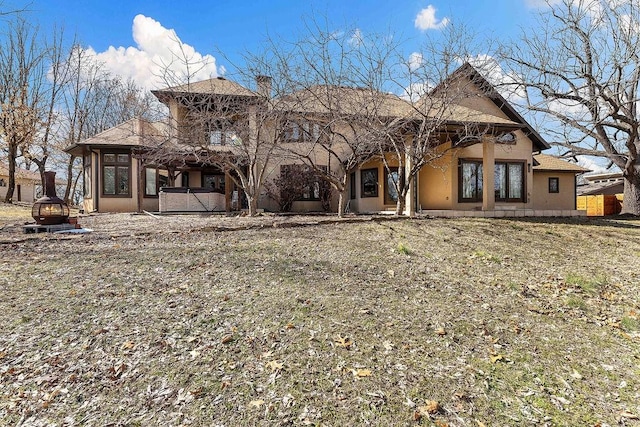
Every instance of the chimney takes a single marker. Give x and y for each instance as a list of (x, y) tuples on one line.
[(264, 86)]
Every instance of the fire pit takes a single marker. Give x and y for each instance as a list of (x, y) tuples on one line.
[(50, 209)]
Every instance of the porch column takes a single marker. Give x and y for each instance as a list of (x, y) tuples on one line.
[(228, 184), (488, 173), (409, 208)]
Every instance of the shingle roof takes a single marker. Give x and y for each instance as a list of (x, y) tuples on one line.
[(320, 99), (27, 175), (215, 86), (134, 132), (545, 162)]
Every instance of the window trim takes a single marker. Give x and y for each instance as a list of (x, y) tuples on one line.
[(157, 181), (555, 179), (352, 186), (363, 193), (116, 165), (479, 196)]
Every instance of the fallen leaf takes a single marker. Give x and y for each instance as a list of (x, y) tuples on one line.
[(388, 345), (227, 339), (496, 358), (274, 365), (629, 415), (480, 423), (441, 423), (361, 373), (343, 342), (575, 374), (441, 331), (290, 326), (256, 403), (127, 345)]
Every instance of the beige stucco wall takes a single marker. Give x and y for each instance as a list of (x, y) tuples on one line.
[(27, 190), (117, 203), (566, 197), (438, 182)]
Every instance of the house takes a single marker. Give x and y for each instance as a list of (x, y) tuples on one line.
[(478, 132), (26, 184), (603, 183)]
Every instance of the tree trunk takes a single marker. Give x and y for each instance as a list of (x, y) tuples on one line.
[(631, 202), (252, 201), (67, 190), (400, 204), (341, 201), (11, 185)]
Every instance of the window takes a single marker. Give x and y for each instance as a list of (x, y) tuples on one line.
[(302, 131), (154, 180), (221, 133), (214, 181), (554, 185), (352, 185), (86, 176), (116, 171), (2, 183), (302, 182), (390, 186), (369, 183), (508, 181)]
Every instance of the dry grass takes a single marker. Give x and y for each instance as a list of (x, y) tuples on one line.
[(179, 321)]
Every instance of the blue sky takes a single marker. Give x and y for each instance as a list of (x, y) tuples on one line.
[(127, 44)]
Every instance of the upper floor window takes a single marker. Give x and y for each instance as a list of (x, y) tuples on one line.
[(301, 131), (116, 174)]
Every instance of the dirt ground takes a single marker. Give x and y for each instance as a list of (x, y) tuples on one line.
[(306, 320)]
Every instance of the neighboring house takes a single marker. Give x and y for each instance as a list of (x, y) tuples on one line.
[(27, 183), (521, 179), (603, 183)]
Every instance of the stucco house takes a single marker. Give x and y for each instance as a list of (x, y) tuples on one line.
[(522, 181), (27, 183)]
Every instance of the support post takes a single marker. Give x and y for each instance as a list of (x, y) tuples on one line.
[(488, 173)]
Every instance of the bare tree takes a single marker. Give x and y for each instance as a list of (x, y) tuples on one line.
[(216, 122), (92, 101), (580, 70), (326, 86), (22, 73)]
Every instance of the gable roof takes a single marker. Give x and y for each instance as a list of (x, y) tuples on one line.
[(470, 72), (214, 86), (545, 162)]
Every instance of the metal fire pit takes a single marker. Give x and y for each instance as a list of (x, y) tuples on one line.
[(50, 209)]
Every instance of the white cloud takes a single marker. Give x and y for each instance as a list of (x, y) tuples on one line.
[(415, 61), (536, 4), (157, 50), (356, 38), (595, 165), (508, 84), (426, 19)]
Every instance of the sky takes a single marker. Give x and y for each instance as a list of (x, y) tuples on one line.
[(132, 36)]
